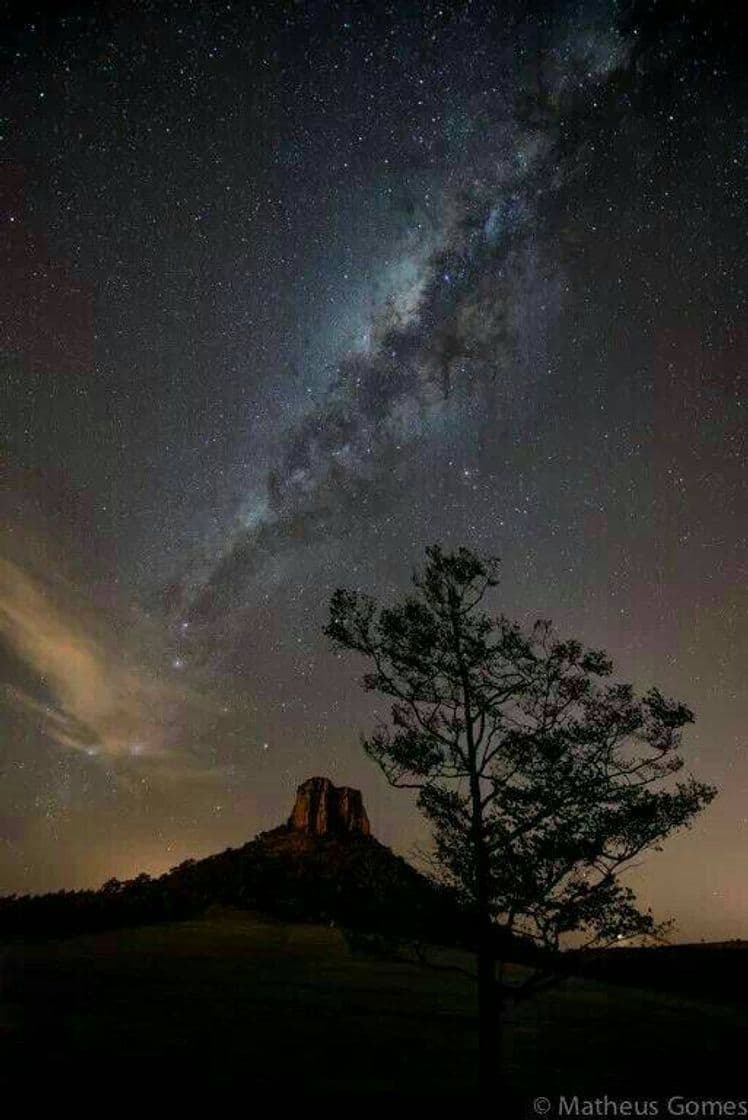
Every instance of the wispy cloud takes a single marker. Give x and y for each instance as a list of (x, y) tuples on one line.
[(93, 682)]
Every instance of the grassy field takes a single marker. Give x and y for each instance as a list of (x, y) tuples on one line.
[(237, 1002)]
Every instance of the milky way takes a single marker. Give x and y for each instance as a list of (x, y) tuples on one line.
[(294, 293), (455, 325)]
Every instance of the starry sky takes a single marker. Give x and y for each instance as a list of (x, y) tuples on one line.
[(290, 291)]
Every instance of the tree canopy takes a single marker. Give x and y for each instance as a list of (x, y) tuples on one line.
[(543, 778)]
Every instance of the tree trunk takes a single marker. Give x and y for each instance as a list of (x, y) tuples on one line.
[(489, 1058), (489, 1024), (489, 1019)]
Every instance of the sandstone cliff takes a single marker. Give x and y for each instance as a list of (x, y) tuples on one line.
[(322, 809)]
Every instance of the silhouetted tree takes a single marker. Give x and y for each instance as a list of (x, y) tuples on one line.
[(542, 781)]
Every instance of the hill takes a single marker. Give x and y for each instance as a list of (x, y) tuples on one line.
[(234, 1002), (322, 865), (709, 969)]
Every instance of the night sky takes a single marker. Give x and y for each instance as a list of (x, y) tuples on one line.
[(290, 291)]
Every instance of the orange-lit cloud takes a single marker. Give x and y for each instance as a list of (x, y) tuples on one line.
[(92, 681)]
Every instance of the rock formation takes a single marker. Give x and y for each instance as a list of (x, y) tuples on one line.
[(323, 809)]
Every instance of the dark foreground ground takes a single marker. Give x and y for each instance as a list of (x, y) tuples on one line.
[(236, 1003)]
